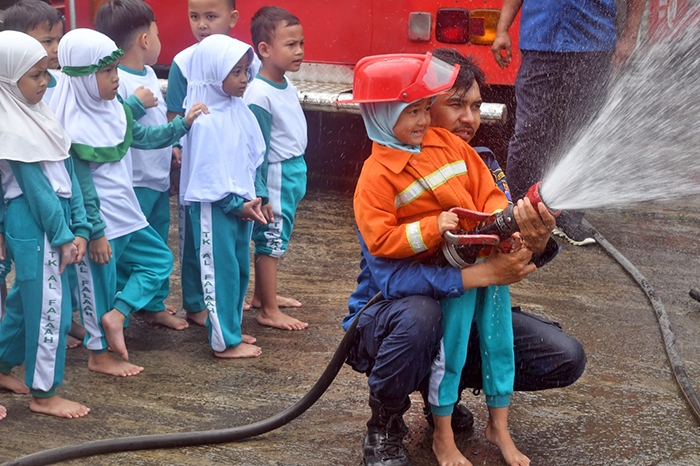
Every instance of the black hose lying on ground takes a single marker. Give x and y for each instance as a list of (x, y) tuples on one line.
[(664, 323), (209, 437)]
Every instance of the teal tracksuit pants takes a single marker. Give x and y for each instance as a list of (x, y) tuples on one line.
[(490, 308), (155, 205), (148, 263), (38, 307), (222, 243)]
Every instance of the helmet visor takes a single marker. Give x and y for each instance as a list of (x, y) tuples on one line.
[(434, 77)]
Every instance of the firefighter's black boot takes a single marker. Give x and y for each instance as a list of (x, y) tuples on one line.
[(462, 418), (383, 445)]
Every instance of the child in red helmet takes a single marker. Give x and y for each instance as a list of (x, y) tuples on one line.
[(413, 177)]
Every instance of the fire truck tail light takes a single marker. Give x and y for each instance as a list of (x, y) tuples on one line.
[(419, 26), (482, 26), (452, 25)]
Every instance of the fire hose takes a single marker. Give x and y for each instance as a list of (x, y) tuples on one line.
[(491, 231)]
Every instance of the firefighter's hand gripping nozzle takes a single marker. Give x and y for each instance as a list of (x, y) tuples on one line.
[(461, 248)]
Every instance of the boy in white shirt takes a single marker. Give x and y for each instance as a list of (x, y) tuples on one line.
[(278, 39), (131, 24)]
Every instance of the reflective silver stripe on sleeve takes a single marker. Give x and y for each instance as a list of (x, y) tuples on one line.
[(415, 238)]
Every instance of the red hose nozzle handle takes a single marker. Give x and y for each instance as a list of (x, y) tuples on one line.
[(535, 198)]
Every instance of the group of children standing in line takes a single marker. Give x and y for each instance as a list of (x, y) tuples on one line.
[(86, 181), (85, 161)]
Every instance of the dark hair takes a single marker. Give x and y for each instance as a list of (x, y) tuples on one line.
[(265, 21), (123, 20), (469, 71), (26, 15)]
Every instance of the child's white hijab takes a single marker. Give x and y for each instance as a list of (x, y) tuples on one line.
[(88, 119), (224, 148), (28, 133)]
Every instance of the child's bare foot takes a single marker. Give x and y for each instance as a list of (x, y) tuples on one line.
[(199, 318), (170, 309), (72, 342), (3, 412), (108, 364), (77, 331), (282, 301), (280, 320), (444, 445), (246, 306), (59, 407), (113, 325), (501, 438), (166, 319), (248, 339), (13, 384), (242, 350)]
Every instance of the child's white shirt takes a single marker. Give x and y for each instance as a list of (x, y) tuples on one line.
[(151, 168), (288, 134)]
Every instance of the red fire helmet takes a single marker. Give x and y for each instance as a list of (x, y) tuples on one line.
[(400, 77)]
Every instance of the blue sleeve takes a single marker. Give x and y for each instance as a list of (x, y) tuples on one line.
[(177, 90), (499, 176), (136, 106), (44, 204), (399, 278), (156, 137), (265, 122), (79, 224), (91, 200)]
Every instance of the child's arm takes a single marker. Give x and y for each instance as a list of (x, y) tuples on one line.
[(247, 210), (44, 204), (379, 225), (91, 201), (79, 225), (265, 122), (177, 91), (156, 137)]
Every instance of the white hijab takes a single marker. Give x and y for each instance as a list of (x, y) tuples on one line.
[(224, 148), (28, 133), (88, 119)]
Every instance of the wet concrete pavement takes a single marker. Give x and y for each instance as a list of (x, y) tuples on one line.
[(625, 409)]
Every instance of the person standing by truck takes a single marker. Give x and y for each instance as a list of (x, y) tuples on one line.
[(567, 52)]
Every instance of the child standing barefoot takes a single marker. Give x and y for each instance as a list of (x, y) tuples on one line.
[(45, 227), (220, 157)]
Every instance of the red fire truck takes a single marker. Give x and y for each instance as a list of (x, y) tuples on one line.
[(337, 35)]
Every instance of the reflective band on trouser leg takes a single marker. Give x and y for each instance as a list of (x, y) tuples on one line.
[(93, 302), (206, 265), (53, 326)]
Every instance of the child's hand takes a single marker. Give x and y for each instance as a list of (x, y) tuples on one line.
[(251, 211), (100, 251), (196, 110), (69, 251), (447, 221), (267, 213), (81, 244), (3, 251), (146, 97)]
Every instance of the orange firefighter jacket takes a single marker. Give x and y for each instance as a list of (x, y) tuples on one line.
[(399, 194)]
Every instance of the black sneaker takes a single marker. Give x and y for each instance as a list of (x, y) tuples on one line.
[(578, 235), (462, 419)]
